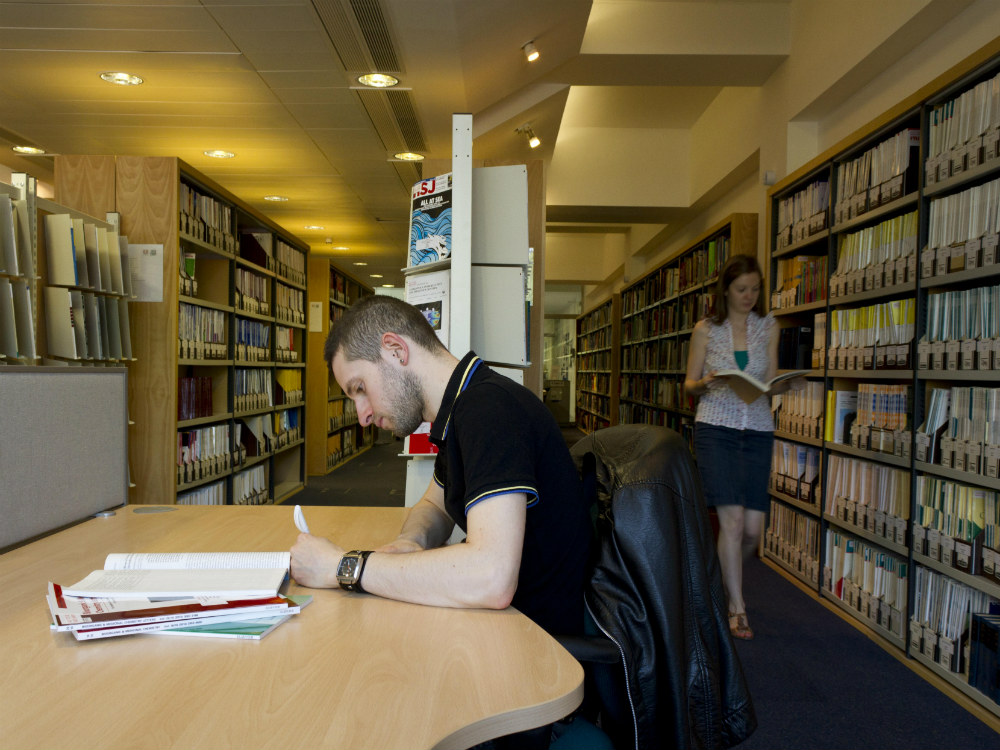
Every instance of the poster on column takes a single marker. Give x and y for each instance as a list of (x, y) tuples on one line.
[(429, 293), (430, 221)]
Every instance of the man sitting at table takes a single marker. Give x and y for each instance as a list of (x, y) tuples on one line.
[(503, 474)]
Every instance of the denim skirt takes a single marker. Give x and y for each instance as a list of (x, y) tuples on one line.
[(734, 465)]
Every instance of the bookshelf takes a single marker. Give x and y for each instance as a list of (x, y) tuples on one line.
[(598, 340), (885, 250), (658, 314), (334, 435), (220, 379), (64, 283)]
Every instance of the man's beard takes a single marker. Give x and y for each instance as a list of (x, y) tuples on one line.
[(405, 399)]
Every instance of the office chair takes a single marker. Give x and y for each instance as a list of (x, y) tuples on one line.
[(661, 667)]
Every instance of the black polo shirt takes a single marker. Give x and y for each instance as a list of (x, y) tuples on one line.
[(496, 437)]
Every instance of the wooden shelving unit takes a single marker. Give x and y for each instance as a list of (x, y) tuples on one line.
[(334, 433), (218, 389), (909, 530), (598, 338), (658, 313)]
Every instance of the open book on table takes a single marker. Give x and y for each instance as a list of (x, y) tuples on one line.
[(226, 575), (748, 388)]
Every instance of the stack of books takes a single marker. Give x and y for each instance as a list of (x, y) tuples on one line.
[(233, 595)]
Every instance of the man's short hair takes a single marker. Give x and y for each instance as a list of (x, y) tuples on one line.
[(359, 332)]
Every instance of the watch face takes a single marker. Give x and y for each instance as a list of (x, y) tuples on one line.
[(348, 568)]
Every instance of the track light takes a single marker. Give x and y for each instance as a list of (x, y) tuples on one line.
[(530, 51), (533, 140)]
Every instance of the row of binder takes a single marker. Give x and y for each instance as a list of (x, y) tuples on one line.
[(252, 291), (209, 494), (957, 510), (201, 331), (886, 241), (290, 262), (965, 314), (964, 120), (882, 487), (853, 567), (802, 213), (795, 470), (970, 215), (942, 611), (794, 538), (253, 388), (965, 413), (881, 174)]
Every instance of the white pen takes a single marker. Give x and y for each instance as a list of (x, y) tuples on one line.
[(300, 520)]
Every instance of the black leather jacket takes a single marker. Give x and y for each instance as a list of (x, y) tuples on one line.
[(656, 591)]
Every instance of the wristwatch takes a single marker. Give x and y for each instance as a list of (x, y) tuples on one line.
[(351, 567)]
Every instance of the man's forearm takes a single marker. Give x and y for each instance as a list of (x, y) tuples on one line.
[(427, 525), (482, 572)]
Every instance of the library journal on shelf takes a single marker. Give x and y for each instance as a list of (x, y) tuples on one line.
[(748, 388)]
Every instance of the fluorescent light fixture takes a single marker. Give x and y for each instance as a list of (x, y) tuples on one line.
[(276, 198), (409, 156), (30, 150), (340, 247), (531, 52), (378, 80), (121, 79), (313, 226), (388, 286), (376, 275), (360, 263), (218, 153)]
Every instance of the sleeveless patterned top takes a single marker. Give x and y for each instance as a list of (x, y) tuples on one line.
[(721, 406)]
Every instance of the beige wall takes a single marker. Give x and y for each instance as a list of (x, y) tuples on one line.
[(766, 118)]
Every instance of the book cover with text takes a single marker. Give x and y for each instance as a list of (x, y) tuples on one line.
[(430, 221)]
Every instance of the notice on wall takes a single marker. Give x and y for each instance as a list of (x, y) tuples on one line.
[(315, 317), (146, 266), (429, 293)]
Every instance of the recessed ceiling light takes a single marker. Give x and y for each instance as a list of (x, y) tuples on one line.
[(360, 263), (340, 247), (275, 198), (28, 150), (121, 79), (376, 275), (409, 156), (313, 226), (219, 154), (388, 286), (378, 80)]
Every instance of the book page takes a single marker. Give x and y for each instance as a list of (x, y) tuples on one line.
[(196, 560), (243, 582), (745, 386)]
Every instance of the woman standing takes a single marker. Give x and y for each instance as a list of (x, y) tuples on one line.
[(732, 438)]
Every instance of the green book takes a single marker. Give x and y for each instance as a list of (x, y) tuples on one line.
[(252, 630)]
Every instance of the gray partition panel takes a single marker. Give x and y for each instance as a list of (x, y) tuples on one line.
[(63, 447)]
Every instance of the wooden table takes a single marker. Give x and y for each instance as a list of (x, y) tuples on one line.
[(350, 671)]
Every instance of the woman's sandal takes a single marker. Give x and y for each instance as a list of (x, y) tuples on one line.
[(739, 626)]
